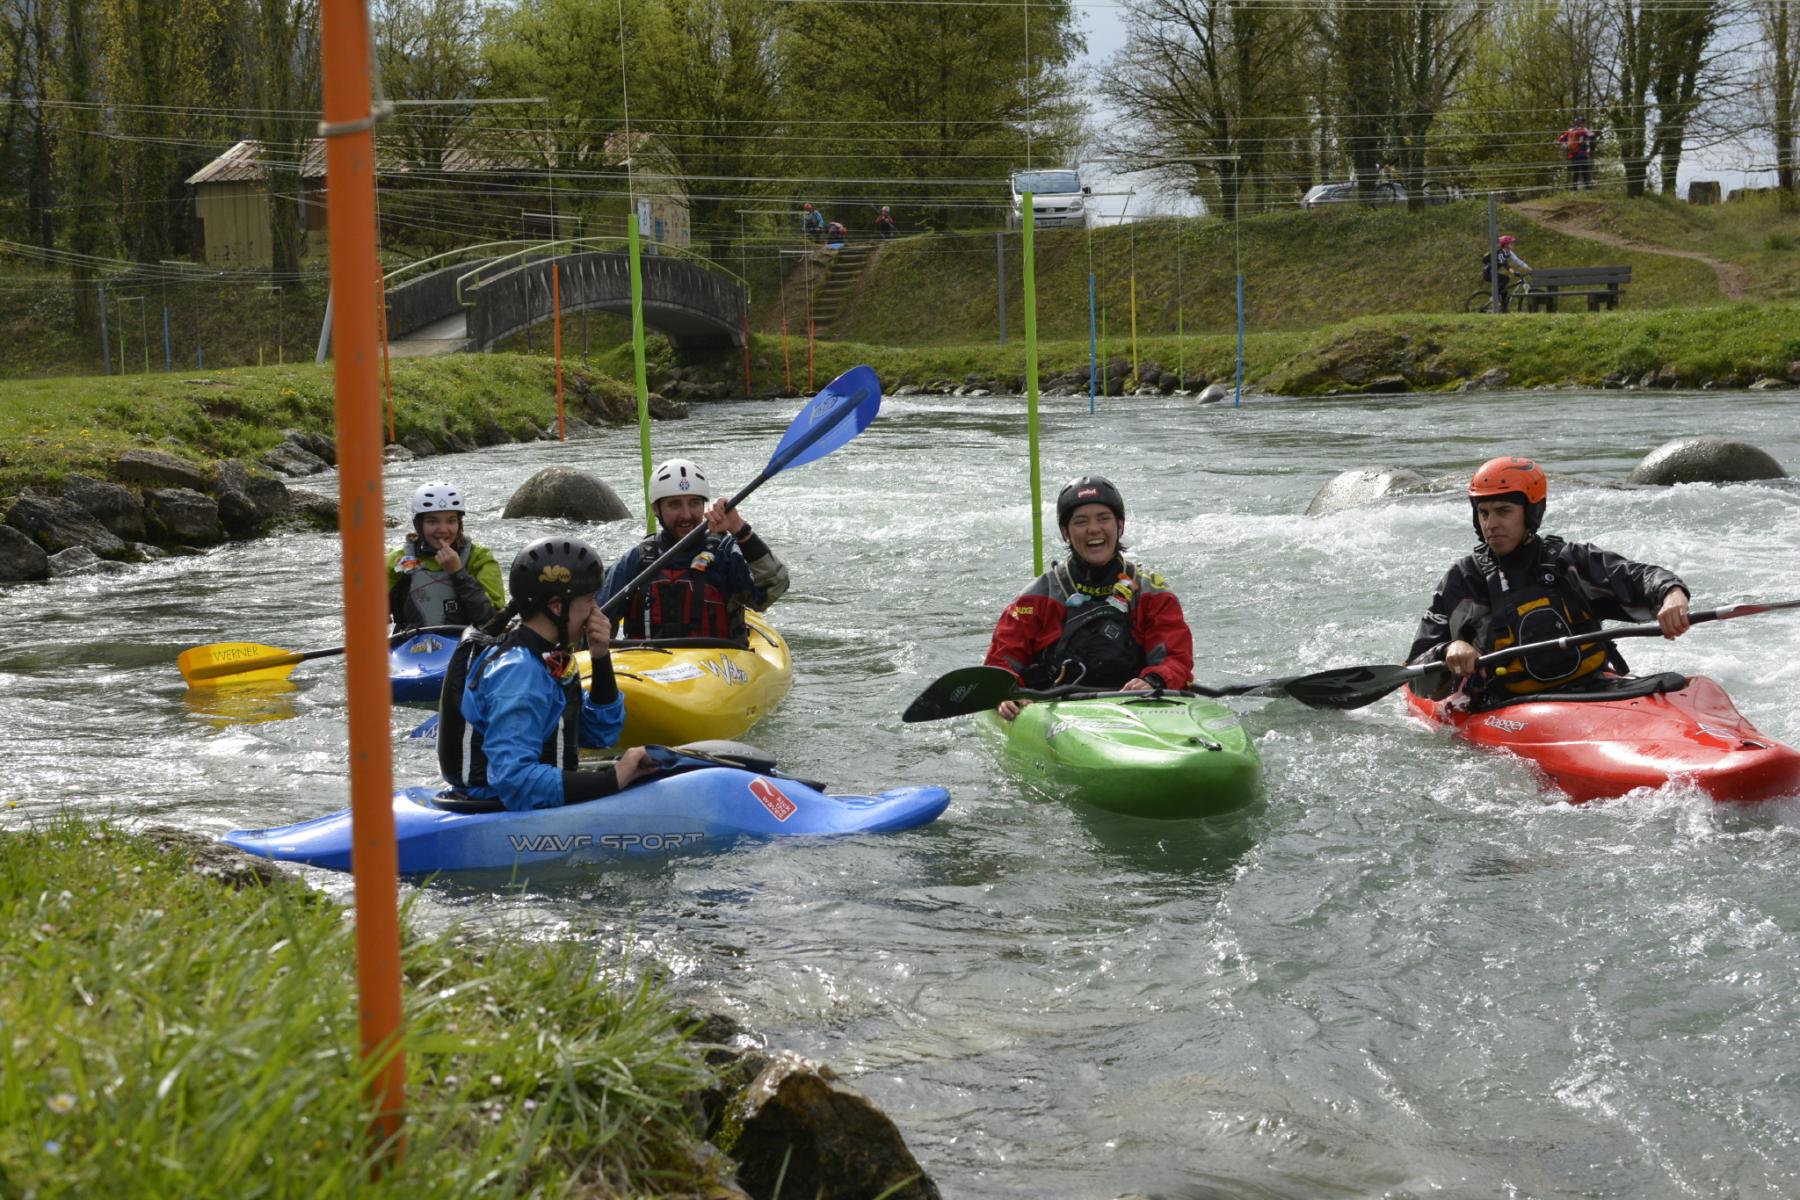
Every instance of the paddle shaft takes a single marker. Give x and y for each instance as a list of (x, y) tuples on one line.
[(1628, 631), (292, 657)]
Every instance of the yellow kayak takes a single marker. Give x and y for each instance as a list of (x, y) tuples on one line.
[(682, 692)]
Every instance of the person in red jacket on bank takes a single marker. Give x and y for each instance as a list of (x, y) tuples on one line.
[(1096, 619)]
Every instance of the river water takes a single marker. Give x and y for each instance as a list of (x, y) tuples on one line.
[(1411, 972)]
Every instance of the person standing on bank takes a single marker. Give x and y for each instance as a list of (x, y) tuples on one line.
[(438, 576), (513, 714), (1096, 619), (884, 224), (1577, 142), (706, 596), (1520, 587)]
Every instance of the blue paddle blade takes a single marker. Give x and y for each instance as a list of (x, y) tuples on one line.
[(837, 414)]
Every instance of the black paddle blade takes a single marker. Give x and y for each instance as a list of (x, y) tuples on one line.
[(961, 692), (1349, 687)]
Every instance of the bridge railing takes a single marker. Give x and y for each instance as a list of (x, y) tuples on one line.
[(562, 246), (425, 266)]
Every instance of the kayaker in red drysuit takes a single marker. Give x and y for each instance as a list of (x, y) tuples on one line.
[(513, 712), (706, 596), (1520, 586), (1096, 618)]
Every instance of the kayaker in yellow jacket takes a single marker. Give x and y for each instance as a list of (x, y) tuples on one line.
[(439, 576), (1520, 586)]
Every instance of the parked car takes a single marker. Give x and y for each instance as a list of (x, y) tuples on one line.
[(1320, 195), (1058, 197)]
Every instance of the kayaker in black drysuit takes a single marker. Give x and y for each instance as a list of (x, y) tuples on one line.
[(1520, 587)]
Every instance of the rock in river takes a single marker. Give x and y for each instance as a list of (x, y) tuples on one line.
[(567, 493), (1363, 485), (1705, 460)]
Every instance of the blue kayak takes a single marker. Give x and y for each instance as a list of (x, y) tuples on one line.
[(418, 665), (712, 808)]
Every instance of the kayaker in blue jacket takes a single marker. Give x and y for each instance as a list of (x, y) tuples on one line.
[(520, 716), (707, 595), (1520, 586)]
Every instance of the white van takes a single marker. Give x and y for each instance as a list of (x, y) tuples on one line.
[(1057, 198)]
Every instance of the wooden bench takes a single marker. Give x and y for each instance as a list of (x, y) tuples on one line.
[(1599, 284)]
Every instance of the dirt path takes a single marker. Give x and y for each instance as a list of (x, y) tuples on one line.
[(1734, 280)]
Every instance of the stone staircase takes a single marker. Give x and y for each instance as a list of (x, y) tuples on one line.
[(837, 288)]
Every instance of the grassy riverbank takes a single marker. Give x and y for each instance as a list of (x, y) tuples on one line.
[(165, 1035), (50, 428)]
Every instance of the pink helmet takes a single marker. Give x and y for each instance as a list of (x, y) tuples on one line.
[(1506, 239)]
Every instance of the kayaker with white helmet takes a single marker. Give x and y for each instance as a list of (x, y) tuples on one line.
[(705, 596), (519, 716), (1521, 586), (438, 576), (1096, 619)]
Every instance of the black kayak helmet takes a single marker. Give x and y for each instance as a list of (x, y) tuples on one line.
[(1088, 489), (553, 568)]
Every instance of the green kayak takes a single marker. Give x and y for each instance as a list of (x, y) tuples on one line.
[(1162, 757)]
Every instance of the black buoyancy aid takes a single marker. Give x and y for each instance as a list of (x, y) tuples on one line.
[(1096, 647), (1538, 604), (461, 758), (682, 601), (426, 597)]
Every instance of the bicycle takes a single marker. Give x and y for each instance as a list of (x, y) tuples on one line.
[(1483, 300)]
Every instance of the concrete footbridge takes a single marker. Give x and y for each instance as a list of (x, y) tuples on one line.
[(473, 298)]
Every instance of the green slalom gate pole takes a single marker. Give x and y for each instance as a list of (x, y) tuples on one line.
[(1093, 345), (637, 355), (1031, 394)]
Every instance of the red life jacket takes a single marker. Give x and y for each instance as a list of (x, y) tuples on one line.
[(681, 602)]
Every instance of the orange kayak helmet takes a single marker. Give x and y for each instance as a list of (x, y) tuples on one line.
[(1512, 478)]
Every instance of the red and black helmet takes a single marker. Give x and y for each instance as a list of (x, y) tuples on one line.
[(1089, 489), (1510, 478)]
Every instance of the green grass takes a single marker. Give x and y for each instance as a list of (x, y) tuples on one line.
[(50, 428), (1301, 270), (162, 1035)]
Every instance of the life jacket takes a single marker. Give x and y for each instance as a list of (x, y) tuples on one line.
[(461, 759), (1543, 605), (1097, 647), (422, 596), (684, 601)]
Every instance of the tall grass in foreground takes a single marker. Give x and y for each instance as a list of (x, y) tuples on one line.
[(164, 1036)]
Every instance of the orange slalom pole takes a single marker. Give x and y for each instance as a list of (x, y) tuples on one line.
[(350, 195), (562, 429), (387, 372)]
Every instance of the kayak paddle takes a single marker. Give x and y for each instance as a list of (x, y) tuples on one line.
[(976, 689), (838, 413), (1354, 687), (251, 662)]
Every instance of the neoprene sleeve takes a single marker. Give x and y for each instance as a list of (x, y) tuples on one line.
[(581, 786), (603, 686)]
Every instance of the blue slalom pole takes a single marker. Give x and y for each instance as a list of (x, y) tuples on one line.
[(168, 355), (1093, 344), (106, 350), (1238, 400)]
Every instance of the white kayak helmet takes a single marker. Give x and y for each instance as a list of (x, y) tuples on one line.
[(678, 477), (436, 496)]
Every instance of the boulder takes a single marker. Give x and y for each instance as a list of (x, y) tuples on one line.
[(313, 510), (1705, 460), (113, 506), (821, 1139), (1364, 485), (248, 503), (320, 445), (159, 468), (1212, 393), (20, 557), (397, 453), (56, 524), (79, 560), (291, 458), (664, 409), (183, 516), (1387, 385), (1490, 380), (567, 493)]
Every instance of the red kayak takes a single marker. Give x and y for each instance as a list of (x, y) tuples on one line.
[(1604, 746)]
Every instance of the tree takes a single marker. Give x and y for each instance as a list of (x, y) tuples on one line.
[(1684, 36), (711, 74), (427, 50), (90, 237), (951, 96), (285, 85), (1780, 80), (1199, 82), (1435, 41), (1360, 37)]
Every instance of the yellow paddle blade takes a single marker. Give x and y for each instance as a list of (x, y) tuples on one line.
[(236, 662)]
